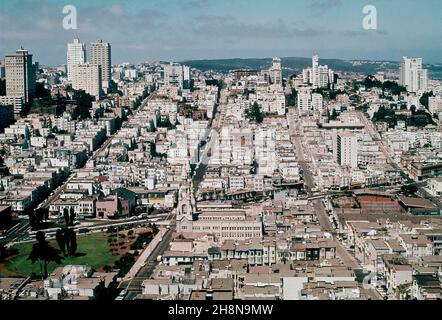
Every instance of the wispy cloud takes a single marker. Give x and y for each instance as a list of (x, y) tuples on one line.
[(231, 27), (365, 33), (324, 4)]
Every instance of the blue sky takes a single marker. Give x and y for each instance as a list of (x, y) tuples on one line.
[(196, 29)]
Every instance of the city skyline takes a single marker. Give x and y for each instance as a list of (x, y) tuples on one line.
[(147, 153), (203, 29)]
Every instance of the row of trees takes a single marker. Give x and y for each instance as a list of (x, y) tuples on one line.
[(69, 216), (44, 253), (37, 218), (67, 241), (393, 87), (418, 118)]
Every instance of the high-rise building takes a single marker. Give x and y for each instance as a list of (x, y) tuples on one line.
[(175, 74), (304, 100), (87, 77), (275, 71), (20, 75), (318, 76), (317, 102), (76, 55), (101, 55), (315, 71), (412, 76), (347, 150)]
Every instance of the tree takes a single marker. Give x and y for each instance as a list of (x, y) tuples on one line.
[(73, 240), (66, 240), (70, 240), (41, 91), (66, 216), (290, 100), (72, 216), (424, 100), (44, 253), (371, 82), (409, 189), (59, 237), (84, 103), (334, 115), (254, 113), (36, 218)]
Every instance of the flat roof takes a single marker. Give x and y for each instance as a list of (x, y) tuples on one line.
[(414, 202)]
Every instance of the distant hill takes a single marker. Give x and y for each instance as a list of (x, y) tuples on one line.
[(294, 65)]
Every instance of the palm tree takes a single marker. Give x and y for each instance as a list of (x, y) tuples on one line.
[(44, 253)]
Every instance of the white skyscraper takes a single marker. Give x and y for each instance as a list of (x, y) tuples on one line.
[(315, 72), (412, 76), (347, 150), (318, 76), (87, 77), (76, 55)]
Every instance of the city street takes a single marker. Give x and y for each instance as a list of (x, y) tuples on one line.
[(133, 286)]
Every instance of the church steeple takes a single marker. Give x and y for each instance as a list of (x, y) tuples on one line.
[(185, 204)]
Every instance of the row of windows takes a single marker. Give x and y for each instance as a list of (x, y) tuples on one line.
[(238, 235)]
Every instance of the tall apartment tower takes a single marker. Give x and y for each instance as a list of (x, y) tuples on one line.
[(20, 75), (304, 100), (101, 55), (317, 102), (347, 150), (174, 74), (412, 76), (315, 78), (87, 77), (76, 55), (276, 71)]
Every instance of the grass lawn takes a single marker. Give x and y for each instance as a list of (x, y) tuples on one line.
[(94, 247)]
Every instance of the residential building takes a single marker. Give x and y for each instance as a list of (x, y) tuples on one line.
[(347, 150), (87, 77)]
